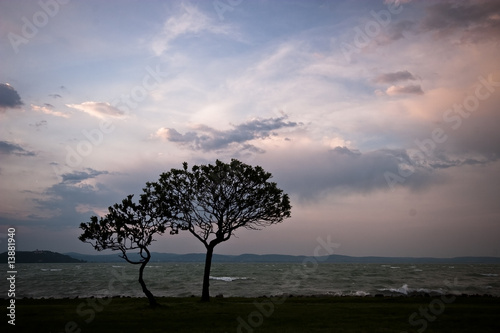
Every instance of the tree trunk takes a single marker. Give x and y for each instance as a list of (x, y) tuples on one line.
[(205, 294), (149, 295)]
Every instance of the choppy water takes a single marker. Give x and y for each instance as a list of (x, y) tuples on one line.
[(252, 280)]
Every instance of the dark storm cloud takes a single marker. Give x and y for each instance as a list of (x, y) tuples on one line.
[(207, 138), (394, 77), (9, 98), (8, 148)]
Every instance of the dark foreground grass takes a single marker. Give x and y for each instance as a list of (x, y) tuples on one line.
[(293, 314)]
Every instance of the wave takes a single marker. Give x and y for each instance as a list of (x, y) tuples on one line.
[(360, 293), (405, 290), (227, 278), (489, 275)]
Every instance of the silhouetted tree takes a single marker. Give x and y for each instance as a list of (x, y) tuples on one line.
[(128, 226), (212, 201)]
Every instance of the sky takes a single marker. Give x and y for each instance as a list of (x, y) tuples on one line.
[(380, 119)]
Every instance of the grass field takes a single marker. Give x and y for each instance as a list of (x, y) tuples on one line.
[(291, 314)]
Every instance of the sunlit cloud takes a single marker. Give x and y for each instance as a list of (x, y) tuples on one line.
[(206, 138), (49, 109), (187, 20), (85, 208), (98, 109)]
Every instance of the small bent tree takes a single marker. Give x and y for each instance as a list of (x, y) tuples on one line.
[(212, 201), (127, 226)]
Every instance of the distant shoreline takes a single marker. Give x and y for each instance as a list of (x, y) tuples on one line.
[(44, 256), (281, 258)]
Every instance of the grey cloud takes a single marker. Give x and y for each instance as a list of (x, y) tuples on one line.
[(474, 15), (410, 89), (78, 176), (39, 124), (346, 151), (63, 198), (9, 97), (311, 174), (8, 148), (476, 21), (55, 96), (207, 139), (441, 160), (396, 30), (394, 77)]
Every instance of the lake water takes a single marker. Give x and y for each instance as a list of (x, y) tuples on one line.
[(254, 279)]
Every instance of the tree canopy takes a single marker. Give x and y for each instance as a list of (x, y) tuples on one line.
[(128, 226), (212, 201)]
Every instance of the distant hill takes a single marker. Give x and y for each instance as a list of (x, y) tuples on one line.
[(275, 258), (40, 257)]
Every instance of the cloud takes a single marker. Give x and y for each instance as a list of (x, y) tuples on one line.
[(188, 20), (48, 109), (471, 21), (477, 17), (85, 208), (394, 77), (311, 173), (396, 2), (8, 148), (207, 138), (9, 97), (39, 124), (397, 29), (399, 90), (65, 202), (475, 21), (55, 95), (98, 109), (79, 176)]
